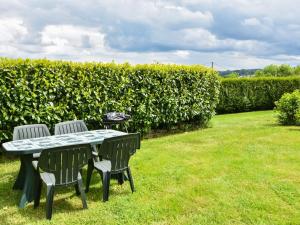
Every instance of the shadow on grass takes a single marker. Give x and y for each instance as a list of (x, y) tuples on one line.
[(294, 128), (60, 205), (95, 193), (10, 198), (272, 125), (277, 125), (175, 129), (8, 158), (290, 127)]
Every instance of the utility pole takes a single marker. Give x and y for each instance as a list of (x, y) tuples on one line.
[(212, 65)]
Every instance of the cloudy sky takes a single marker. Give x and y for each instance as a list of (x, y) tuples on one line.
[(232, 33)]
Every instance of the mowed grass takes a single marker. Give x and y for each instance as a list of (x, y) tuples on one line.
[(245, 169)]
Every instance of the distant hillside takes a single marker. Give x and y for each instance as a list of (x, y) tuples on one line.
[(242, 72)]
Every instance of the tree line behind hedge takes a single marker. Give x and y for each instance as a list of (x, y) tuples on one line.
[(156, 96), (249, 94), (283, 70), (273, 70)]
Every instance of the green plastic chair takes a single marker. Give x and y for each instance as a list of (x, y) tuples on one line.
[(60, 167), (27, 132), (31, 131), (70, 127), (73, 126), (116, 153)]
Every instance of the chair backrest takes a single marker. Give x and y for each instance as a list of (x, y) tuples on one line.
[(138, 143), (70, 127), (119, 149), (30, 131), (65, 162)]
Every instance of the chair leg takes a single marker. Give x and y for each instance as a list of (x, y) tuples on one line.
[(130, 179), (77, 189), (125, 176), (49, 201), (120, 177), (82, 193), (89, 176), (38, 194), (106, 182)]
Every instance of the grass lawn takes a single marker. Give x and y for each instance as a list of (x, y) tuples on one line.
[(243, 170)]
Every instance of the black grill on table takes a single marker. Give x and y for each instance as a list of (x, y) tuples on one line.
[(114, 118)]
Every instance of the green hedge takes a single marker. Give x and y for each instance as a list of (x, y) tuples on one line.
[(157, 96), (248, 94)]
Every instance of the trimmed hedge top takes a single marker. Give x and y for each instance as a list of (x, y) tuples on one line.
[(157, 96)]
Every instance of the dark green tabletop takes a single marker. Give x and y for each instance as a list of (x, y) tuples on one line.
[(35, 145)]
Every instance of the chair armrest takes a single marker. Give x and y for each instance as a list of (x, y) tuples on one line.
[(36, 155), (35, 164)]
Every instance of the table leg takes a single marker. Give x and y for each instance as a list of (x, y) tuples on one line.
[(19, 183), (30, 180)]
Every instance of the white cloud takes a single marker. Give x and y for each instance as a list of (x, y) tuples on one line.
[(203, 40), (251, 22), (12, 33), (199, 37), (235, 33), (158, 13), (182, 53), (69, 39), (12, 30)]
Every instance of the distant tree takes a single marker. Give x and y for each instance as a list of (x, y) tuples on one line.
[(259, 73), (278, 71), (285, 70), (241, 72), (270, 70), (297, 70), (232, 75)]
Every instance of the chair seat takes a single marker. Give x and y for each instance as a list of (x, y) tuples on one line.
[(104, 165), (48, 178)]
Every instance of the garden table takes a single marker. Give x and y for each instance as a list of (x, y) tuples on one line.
[(28, 177)]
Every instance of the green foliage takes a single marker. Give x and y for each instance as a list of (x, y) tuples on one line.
[(288, 108), (232, 75), (157, 96), (283, 70), (249, 94), (297, 70)]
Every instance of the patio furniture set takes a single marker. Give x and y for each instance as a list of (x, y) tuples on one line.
[(58, 160)]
